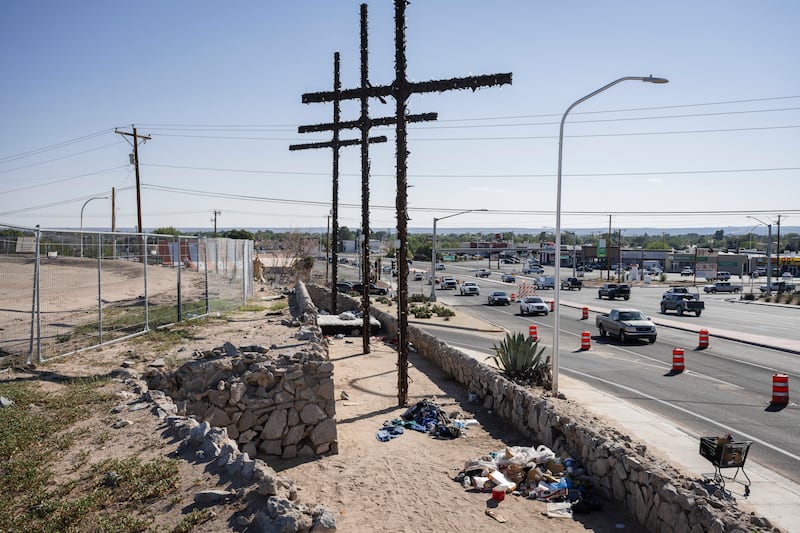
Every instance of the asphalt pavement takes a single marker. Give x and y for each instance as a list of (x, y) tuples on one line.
[(771, 495)]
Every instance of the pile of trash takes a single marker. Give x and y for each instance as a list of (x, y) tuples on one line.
[(535, 473), (426, 417)]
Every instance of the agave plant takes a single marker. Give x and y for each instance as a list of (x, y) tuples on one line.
[(521, 360)]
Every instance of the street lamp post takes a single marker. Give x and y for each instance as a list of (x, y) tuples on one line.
[(433, 249), (82, 207), (769, 253), (556, 319)]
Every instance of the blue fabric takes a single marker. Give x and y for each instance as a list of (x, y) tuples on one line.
[(383, 436)]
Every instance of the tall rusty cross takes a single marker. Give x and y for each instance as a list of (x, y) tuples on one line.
[(335, 143), (401, 89), (364, 123)]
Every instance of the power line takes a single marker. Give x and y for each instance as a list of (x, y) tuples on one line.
[(506, 138), (59, 158), (493, 175), (55, 204), (61, 180), (55, 146)]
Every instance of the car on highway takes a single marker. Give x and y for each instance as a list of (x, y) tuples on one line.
[(508, 278), (532, 269), (675, 289), (373, 289), (448, 283), (721, 275), (417, 276), (440, 266), (626, 324), (787, 276), (344, 286), (571, 284), (584, 268), (483, 273), (470, 288), (722, 286), (687, 271), (533, 305), (499, 298)]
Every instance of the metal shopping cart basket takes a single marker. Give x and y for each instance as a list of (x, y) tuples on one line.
[(724, 453)]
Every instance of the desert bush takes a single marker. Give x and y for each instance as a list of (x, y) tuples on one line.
[(521, 360)]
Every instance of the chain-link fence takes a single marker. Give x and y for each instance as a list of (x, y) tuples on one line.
[(66, 291)]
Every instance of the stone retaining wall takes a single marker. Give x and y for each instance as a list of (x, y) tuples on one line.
[(276, 401), (660, 497)]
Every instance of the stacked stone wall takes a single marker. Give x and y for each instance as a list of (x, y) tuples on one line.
[(278, 404)]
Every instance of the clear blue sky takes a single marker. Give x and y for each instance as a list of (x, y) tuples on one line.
[(218, 88)]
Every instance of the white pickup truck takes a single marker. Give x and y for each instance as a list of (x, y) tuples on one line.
[(470, 288), (722, 286)]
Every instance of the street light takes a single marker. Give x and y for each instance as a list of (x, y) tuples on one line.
[(82, 207), (433, 248), (556, 320), (769, 253)]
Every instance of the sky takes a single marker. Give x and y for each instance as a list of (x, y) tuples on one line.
[(217, 87)]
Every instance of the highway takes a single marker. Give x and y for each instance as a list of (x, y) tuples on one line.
[(725, 388)]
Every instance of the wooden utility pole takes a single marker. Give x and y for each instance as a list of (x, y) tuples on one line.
[(135, 144), (216, 213), (401, 89)]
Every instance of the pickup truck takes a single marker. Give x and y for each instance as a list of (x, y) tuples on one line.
[(627, 324), (571, 284), (545, 282), (614, 290), (448, 283), (483, 273), (532, 269), (468, 288), (722, 286), (681, 303), (779, 286), (675, 290)]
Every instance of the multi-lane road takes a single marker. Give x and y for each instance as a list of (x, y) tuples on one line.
[(725, 388)]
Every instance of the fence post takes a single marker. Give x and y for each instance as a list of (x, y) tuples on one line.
[(180, 263), (99, 286), (205, 262), (146, 296), (36, 320)]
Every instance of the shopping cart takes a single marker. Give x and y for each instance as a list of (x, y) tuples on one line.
[(724, 453)]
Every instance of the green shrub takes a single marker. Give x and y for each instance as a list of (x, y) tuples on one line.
[(521, 360), (418, 298), (442, 311)]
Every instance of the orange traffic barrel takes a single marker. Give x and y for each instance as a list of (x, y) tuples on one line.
[(552, 305), (703, 339), (586, 340), (513, 297), (780, 388), (677, 360), (584, 313), (533, 332)]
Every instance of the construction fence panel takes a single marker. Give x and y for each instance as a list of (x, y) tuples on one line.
[(66, 291)]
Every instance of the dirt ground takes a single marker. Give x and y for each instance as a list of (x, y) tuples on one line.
[(406, 484)]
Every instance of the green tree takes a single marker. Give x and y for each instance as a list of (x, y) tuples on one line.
[(169, 230), (345, 234), (239, 234)]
